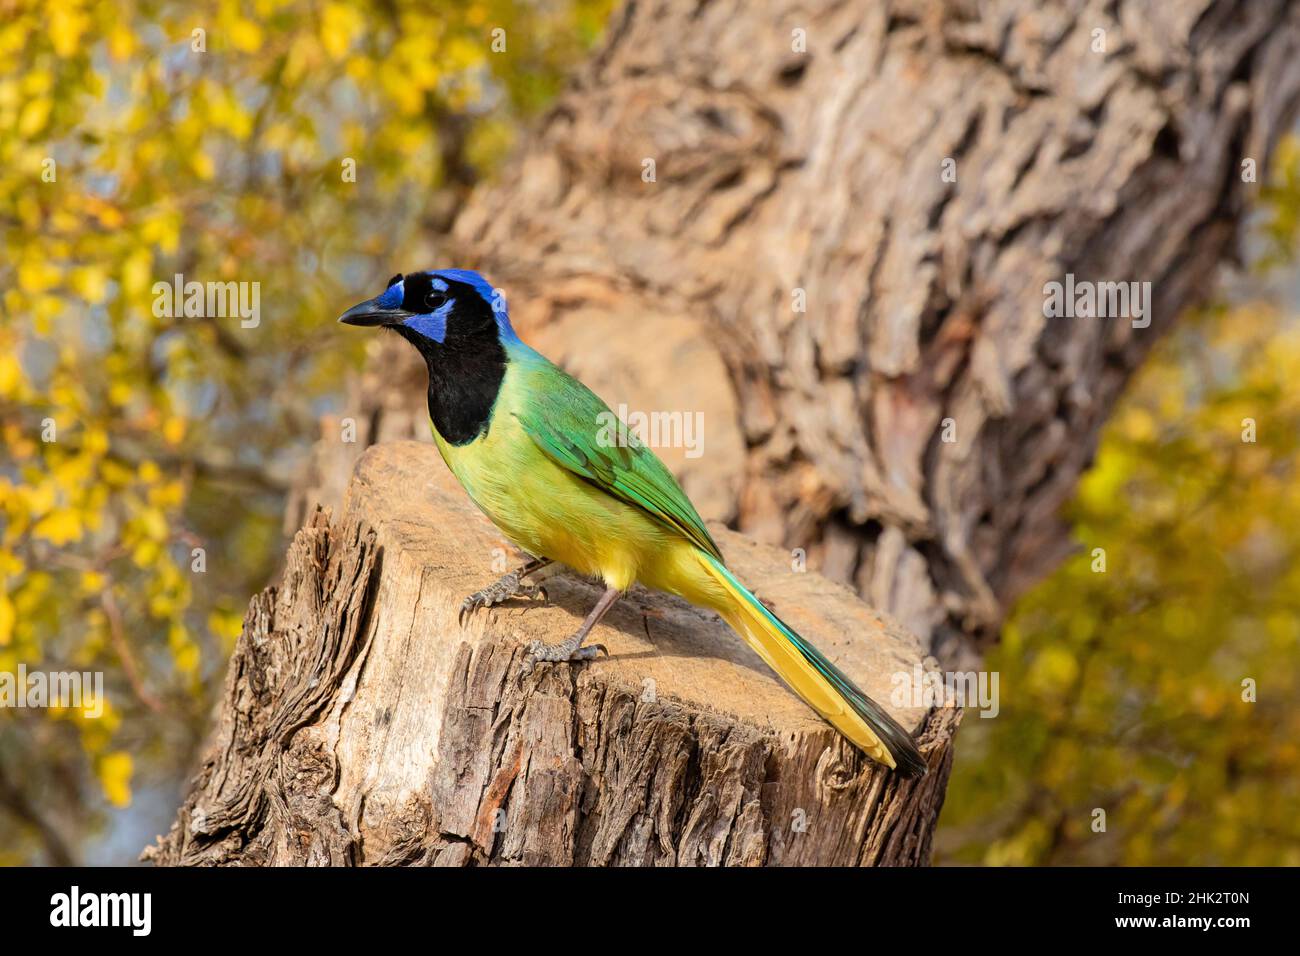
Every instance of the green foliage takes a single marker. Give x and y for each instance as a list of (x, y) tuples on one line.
[(140, 139), (1122, 690)]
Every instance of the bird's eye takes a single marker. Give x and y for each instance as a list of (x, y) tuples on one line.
[(435, 299)]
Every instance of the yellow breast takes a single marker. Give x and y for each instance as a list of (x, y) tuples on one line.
[(549, 511)]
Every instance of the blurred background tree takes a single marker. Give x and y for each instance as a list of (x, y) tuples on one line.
[(302, 145), (1125, 690)]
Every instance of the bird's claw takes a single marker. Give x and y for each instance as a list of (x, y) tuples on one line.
[(570, 650), (509, 586)]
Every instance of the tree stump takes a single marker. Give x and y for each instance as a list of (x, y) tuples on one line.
[(361, 724)]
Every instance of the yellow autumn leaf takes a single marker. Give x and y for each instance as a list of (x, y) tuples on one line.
[(202, 164), (91, 283), (115, 771), (121, 41), (11, 373), (169, 494), (37, 275), (37, 81), (95, 441), (245, 35), (39, 498), (135, 272), (173, 430), (10, 564), (115, 473), (154, 524), (226, 625), (187, 659), (1054, 668), (61, 526), (339, 23), (65, 27), (71, 473), (145, 554), (109, 216), (162, 606), (34, 116), (7, 618)]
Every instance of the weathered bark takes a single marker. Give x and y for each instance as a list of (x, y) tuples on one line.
[(779, 171), (361, 723)]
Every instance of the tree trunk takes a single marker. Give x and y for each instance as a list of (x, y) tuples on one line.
[(829, 228)]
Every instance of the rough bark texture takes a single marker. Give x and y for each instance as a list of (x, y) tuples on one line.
[(361, 724), (779, 171)]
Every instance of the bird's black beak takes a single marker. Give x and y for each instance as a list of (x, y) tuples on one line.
[(371, 312)]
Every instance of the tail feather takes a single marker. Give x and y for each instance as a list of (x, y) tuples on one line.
[(821, 684)]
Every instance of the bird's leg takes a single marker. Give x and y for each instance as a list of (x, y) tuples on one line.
[(572, 649), (509, 586)]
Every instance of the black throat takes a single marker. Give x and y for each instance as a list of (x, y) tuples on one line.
[(465, 375)]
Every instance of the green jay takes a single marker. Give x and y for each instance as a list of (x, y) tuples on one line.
[(525, 440)]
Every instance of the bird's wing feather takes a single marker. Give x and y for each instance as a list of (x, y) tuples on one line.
[(564, 418)]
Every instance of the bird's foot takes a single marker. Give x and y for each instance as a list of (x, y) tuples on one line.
[(567, 650), (509, 586)]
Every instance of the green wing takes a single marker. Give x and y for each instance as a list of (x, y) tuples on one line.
[(571, 427)]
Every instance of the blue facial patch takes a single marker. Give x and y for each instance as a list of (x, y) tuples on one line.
[(392, 297), (434, 325)]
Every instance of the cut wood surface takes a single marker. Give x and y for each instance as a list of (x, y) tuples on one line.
[(363, 724)]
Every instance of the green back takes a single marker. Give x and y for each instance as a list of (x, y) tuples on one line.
[(571, 426)]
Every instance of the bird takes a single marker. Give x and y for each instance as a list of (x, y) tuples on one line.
[(526, 442)]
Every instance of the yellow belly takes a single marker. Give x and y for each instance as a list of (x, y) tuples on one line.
[(551, 512)]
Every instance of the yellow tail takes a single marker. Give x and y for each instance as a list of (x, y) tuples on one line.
[(822, 685)]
